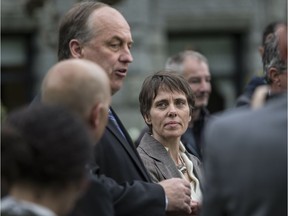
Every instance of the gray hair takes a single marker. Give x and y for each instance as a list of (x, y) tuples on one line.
[(74, 25), (272, 57), (175, 63)]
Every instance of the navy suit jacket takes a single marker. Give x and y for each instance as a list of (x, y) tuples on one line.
[(105, 197), (118, 157)]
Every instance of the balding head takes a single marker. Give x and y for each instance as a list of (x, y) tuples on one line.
[(275, 60), (81, 86)]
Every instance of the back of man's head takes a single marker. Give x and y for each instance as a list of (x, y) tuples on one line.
[(44, 146), (77, 84), (82, 87)]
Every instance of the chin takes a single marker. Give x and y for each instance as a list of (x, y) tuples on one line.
[(201, 104), (115, 90)]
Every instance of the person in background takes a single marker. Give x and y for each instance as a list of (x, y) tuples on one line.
[(275, 65), (166, 103), (275, 70), (193, 66), (256, 81), (44, 150), (97, 32), (245, 166)]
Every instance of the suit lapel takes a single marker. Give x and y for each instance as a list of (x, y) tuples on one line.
[(127, 144)]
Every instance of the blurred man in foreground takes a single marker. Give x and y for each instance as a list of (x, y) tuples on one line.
[(246, 150)]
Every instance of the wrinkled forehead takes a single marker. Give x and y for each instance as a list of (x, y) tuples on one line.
[(193, 64)]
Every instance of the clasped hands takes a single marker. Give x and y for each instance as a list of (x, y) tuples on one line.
[(178, 192)]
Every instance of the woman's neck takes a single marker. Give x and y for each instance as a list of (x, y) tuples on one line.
[(172, 144)]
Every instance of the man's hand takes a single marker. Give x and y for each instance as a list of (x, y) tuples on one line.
[(195, 207), (178, 192)]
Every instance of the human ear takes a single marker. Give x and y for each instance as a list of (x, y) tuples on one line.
[(190, 117), (261, 51), (274, 76), (75, 48), (94, 117), (147, 119)]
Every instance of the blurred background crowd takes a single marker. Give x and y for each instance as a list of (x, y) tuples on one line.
[(227, 32)]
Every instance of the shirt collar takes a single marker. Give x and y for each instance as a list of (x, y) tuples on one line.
[(14, 205)]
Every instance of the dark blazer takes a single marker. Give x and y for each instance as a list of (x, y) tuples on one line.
[(117, 156), (106, 197), (245, 162), (159, 164)]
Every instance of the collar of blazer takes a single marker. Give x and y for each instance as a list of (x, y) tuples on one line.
[(159, 154), (157, 151)]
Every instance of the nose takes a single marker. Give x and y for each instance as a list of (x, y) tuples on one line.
[(205, 86), (126, 56), (172, 111)]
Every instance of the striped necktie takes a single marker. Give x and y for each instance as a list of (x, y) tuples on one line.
[(113, 119)]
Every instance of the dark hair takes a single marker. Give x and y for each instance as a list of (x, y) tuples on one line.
[(45, 146), (74, 25), (272, 57), (270, 29), (168, 80)]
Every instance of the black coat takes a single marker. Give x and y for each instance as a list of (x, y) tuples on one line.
[(105, 197), (118, 157)]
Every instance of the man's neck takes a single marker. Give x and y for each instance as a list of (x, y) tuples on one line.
[(196, 114), (39, 196)]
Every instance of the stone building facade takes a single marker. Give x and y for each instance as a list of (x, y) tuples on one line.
[(227, 32)]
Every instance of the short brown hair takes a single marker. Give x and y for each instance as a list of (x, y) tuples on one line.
[(168, 80), (74, 26)]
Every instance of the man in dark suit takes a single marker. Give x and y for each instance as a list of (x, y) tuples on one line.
[(87, 31), (245, 160)]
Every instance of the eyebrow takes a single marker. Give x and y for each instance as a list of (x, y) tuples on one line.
[(161, 100), (182, 97), (120, 39)]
